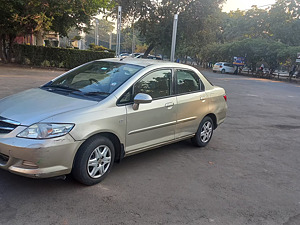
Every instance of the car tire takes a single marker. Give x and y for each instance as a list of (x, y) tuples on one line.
[(204, 132), (223, 71), (93, 160), (214, 71)]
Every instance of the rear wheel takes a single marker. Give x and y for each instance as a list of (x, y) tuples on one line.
[(223, 71), (93, 160), (204, 132)]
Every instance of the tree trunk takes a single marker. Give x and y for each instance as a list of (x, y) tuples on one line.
[(149, 49), (10, 47), (39, 38), (3, 48)]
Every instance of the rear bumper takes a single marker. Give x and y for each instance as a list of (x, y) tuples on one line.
[(38, 158)]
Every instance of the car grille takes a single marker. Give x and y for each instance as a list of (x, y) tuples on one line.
[(7, 125)]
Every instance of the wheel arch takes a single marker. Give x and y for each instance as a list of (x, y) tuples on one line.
[(119, 147), (214, 119)]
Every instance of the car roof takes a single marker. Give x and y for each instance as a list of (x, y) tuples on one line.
[(143, 62)]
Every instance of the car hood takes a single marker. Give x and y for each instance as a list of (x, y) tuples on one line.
[(34, 105)]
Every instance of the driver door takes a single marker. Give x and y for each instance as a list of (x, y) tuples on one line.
[(153, 123)]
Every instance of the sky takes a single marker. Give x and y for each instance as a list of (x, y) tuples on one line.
[(245, 4)]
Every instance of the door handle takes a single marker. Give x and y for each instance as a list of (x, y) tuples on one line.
[(169, 104)]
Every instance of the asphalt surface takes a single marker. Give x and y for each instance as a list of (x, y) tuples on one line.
[(248, 174)]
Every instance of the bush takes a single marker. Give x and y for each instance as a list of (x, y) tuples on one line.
[(59, 57), (94, 47)]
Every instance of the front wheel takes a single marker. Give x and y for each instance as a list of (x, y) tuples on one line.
[(93, 160), (204, 132)]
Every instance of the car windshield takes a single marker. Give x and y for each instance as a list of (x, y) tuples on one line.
[(97, 79)]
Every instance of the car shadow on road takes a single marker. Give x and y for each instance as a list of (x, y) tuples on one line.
[(128, 165)]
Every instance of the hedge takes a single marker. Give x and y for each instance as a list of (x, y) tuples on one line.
[(55, 57)]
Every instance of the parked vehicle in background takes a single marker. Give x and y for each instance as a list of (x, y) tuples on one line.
[(140, 56), (94, 115), (134, 55), (125, 54), (223, 67)]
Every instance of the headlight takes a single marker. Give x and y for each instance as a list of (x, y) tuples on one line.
[(46, 130)]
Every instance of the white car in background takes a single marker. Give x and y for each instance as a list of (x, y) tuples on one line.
[(223, 67)]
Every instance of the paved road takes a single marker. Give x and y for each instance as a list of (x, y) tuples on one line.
[(16, 79), (248, 174)]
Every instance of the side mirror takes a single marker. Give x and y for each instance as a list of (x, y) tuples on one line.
[(141, 98)]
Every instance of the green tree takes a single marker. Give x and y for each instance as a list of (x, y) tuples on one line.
[(280, 22), (238, 25), (104, 27), (284, 19), (154, 20), (198, 26), (254, 49), (37, 16)]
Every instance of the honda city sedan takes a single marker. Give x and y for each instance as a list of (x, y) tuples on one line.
[(85, 120)]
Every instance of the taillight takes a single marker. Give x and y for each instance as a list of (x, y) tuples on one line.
[(225, 97), (221, 66)]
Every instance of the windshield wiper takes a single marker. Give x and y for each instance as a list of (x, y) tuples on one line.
[(96, 93), (64, 87)]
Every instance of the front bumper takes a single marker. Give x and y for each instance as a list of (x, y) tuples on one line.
[(37, 158)]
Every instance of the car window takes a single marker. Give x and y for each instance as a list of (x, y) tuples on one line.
[(187, 81), (97, 77), (126, 97), (227, 64), (156, 84)]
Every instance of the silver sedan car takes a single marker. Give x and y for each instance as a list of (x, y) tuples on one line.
[(96, 114)]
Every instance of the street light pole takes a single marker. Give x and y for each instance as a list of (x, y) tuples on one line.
[(172, 58), (118, 47), (110, 39), (96, 32), (133, 40)]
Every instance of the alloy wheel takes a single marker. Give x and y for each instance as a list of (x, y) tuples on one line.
[(206, 131), (99, 161)]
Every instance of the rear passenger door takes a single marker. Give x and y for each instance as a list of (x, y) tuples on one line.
[(192, 104)]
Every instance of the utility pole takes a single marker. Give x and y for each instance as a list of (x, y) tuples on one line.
[(110, 39), (173, 47), (133, 40), (96, 32), (118, 47)]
